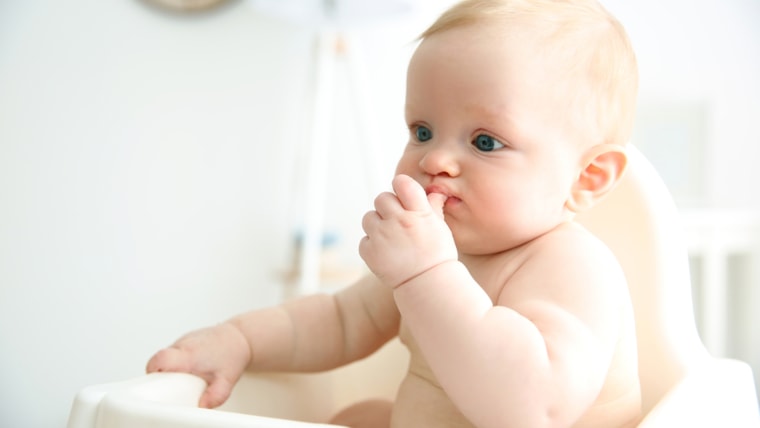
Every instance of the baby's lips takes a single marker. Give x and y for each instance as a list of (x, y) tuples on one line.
[(437, 189)]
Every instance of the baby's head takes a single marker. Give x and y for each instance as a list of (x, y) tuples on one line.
[(591, 64), (521, 108)]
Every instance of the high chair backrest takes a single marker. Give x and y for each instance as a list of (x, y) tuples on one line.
[(640, 223)]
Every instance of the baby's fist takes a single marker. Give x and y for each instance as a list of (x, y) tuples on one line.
[(406, 233)]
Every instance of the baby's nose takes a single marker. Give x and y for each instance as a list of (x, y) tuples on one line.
[(440, 161)]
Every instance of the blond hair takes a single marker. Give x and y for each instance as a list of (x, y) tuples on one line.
[(595, 55)]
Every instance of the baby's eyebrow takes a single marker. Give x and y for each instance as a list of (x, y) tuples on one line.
[(410, 112), (495, 114)]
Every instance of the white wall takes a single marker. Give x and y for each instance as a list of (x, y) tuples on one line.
[(147, 166), (146, 181), (704, 54)]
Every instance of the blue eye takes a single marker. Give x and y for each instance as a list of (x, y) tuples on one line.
[(486, 143), (423, 133)]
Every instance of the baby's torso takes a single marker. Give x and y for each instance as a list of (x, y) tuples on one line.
[(421, 402)]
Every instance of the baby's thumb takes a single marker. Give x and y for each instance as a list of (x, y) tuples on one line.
[(437, 200), (216, 393)]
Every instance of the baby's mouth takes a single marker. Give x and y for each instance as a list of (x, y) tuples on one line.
[(449, 198), (438, 189), (452, 200)]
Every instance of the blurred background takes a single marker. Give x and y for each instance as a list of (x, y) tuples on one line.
[(152, 169)]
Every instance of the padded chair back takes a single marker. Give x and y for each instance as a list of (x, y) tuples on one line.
[(640, 223)]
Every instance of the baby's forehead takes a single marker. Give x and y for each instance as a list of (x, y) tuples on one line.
[(575, 48), (498, 46), (506, 40)]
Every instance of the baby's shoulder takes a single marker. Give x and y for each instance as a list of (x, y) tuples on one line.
[(568, 271), (570, 241), (570, 256)]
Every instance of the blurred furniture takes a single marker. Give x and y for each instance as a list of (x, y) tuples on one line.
[(337, 64), (682, 383), (714, 238)]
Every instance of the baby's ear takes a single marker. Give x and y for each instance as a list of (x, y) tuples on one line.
[(603, 165)]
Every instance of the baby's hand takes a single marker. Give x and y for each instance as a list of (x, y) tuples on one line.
[(218, 354), (406, 234)]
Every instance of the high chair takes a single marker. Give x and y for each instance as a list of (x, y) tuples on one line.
[(682, 384)]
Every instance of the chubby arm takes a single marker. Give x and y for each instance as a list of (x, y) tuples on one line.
[(531, 360), (321, 331), (538, 356), (311, 333)]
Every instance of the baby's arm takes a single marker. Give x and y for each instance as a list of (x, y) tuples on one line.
[(322, 331), (539, 356), (312, 333), (532, 360)]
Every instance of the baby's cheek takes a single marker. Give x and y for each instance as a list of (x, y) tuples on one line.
[(408, 165)]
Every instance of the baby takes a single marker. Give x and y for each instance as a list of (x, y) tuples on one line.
[(514, 315)]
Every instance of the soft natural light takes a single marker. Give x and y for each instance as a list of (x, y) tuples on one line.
[(151, 170)]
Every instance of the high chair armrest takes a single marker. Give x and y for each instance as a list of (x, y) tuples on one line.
[(161, 400), (172, 388), (271, 400), (717, 393)]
